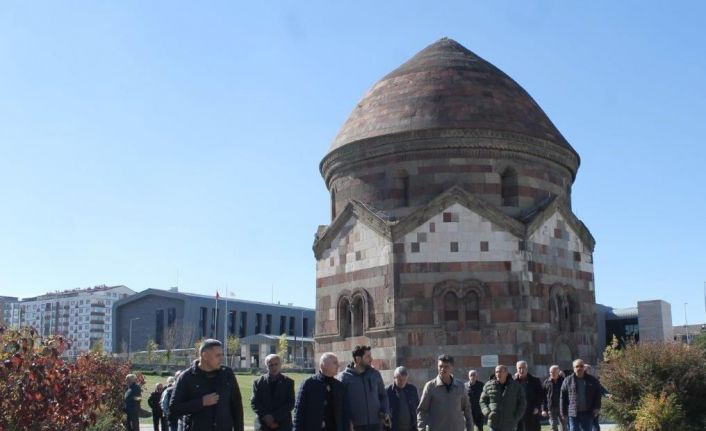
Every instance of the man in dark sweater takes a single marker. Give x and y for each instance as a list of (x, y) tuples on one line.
[(550, 402), (273, 398), (474, 388), (580, 398), (208, 393), (404, 399), (319, 405), (533, 394), (132, 399)]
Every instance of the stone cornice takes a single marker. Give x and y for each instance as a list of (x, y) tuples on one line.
[(352, 209), (460, 141), (559, 205), (457, 195)]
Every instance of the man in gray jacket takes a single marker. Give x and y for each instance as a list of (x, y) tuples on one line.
[(366, 398), (503, 401), (444, 405)]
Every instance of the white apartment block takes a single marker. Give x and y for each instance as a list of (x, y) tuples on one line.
[(84, 316)]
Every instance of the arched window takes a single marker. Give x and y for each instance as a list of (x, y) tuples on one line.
[(451, 310), (563, 356), (344, 318), (472, 307), (333, 204), (357, 312), (509, 190), (405, 189)]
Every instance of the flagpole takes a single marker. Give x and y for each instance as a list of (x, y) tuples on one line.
[(215, 319), (225, 330)]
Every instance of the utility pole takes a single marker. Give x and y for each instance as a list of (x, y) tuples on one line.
[(686, 324)]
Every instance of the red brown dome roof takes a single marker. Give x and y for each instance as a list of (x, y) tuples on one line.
[(446, 86)]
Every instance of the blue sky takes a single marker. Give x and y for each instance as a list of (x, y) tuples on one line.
[(141, 140)]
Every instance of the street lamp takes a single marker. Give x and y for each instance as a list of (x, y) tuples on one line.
[(129, 340)]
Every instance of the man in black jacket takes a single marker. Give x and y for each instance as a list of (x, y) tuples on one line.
[(273, 398), (319, 405), (208, 393), (132, 399), (580, 398), (550, 402), (404, 399), (474, 388), (533, 395)]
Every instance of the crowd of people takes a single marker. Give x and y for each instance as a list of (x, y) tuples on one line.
[(206, 396)]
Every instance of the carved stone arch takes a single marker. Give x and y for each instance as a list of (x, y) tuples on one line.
[(473, 291), (556, 306), (563, 352), (574, 308), (361, 311), (343, 314), (509, 185), (447, 296)]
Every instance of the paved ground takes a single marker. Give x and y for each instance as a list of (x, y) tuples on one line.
[(604, 427)]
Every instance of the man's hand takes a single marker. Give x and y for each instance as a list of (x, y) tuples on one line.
[(387, 421), (270, 422), (492, 415), (545, 413), (210, 399), (535, 411)]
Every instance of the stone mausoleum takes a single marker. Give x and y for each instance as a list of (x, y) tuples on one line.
[(451, 226)]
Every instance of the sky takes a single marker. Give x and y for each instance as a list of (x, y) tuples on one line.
[(164, 143)]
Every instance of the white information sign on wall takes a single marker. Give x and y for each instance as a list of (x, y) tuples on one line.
[(489, 361)]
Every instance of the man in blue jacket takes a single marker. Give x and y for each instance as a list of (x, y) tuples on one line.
[(366, 397), (319, 405), (404, 399)]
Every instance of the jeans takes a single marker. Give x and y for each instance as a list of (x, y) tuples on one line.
[(583, 421), (556, 423)]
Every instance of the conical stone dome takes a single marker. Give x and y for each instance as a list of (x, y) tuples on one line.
[(446, 86)]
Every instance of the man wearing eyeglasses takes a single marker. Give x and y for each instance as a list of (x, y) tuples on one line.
[(580, 398)]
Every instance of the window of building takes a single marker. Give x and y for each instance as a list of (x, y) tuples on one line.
[(203, 317), (472, 311), (258, 323), (358, 312), (159, 327), (344, 318), (232, 316), (171, 317), (292, 325), (451, 310), (305, 327), (268, 324), (405, 188), (282, 325), (333, 204), (243, 324), (509, 189)]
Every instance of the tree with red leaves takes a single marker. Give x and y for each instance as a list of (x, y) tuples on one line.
[(41, 391)]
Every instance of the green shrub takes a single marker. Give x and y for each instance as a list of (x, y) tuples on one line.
[(659, 413), (638, 370)]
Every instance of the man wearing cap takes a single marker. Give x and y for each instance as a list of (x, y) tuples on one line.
[(404, 399)]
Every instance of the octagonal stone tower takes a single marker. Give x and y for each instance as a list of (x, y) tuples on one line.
[(451, 225)]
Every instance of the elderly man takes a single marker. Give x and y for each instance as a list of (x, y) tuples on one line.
[(550, 402), (502, 401), (208, 393), (366, 399), (132, 399), (533, 395), (273, 398), (580, 398), (474, 388), (319, 404), (404, 399), (444, 405)]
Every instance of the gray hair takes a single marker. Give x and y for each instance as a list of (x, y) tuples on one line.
[(554, 367), (400, 371), (131, 378), (472, 372), (326, 357), (170, 380), (270, 357), (521, 363)]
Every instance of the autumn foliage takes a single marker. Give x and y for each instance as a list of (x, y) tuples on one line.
[(41, 391)]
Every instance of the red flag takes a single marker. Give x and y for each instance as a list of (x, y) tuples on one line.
[(217, 295)]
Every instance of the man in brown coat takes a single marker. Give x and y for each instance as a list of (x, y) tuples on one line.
[(444, 405)]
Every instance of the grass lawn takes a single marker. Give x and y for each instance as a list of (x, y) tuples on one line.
[(244, 381)]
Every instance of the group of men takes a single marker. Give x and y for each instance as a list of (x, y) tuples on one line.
[(207, 397)]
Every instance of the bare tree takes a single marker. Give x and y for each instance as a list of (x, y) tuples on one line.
[(169, 340)]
